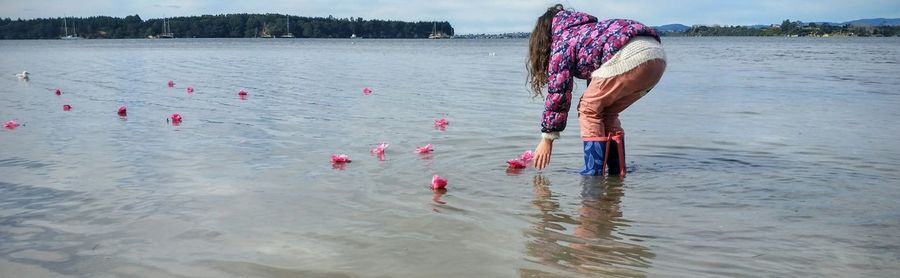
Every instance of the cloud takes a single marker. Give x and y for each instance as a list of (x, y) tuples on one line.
[(167, 6)]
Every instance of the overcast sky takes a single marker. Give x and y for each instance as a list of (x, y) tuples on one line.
[(477, 16)]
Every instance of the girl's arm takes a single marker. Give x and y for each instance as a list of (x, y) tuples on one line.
[(556, 106), (559, 95)]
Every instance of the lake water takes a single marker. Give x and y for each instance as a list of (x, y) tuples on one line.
[(771, 157)]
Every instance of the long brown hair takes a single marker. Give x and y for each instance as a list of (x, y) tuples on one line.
[(539, 50)]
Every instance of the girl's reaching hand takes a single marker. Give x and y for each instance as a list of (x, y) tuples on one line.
[(542, 153)]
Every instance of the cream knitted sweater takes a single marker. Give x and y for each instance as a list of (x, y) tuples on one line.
[(637, 51)]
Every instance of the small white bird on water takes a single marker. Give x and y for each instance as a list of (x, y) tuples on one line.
[(23, 75)]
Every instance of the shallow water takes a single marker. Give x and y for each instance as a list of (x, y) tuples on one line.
[(752, 157)]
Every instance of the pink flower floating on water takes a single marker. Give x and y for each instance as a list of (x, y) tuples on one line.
[(340, 159), (441, 123), (367, 91), (527, 156), (516, 163), (11, 124), (171, 84), (379, 150), (424, 149), (58, 92), (242, 93), (437, 182), (522, 161), (190, 90), (122, 111), (67, 107), (176, 119)]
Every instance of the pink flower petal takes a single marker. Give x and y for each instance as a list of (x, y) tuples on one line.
[(424, 149), (190, 90), (527, 156), (242, 92), (437, 182), (379, 150), (516, 163), (171, 84), (122, 111), (11, 124), (441, 123), (340, 158), (58, 92), (176, 119), (67, 107), (366, 91)]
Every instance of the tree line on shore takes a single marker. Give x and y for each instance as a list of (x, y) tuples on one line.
[(219, 26), (791, 28)]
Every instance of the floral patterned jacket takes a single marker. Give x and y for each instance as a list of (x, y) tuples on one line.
[(580, 45)]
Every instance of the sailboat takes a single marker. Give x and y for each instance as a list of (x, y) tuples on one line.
[(265, 32), (66, 27), (266, 35), (288, 35), (166, 31), (437, 35)]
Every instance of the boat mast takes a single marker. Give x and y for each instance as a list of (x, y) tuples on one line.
[(289, 25), (65, 26)]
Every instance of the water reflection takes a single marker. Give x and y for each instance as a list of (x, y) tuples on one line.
[(438, 193), (587, 243)]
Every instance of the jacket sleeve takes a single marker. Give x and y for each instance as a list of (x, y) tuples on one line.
[(559, 91)]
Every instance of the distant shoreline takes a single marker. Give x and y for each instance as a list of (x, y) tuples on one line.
[(787, 28), (219, 26), (289, 26)]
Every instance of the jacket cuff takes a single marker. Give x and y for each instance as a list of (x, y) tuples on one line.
[(550, 135)]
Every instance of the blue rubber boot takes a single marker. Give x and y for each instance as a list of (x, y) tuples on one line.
[(594, 152)]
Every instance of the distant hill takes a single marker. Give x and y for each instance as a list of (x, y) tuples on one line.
[(787, 28), (875, 22), (859, 22), (865, 22), (672, 28)]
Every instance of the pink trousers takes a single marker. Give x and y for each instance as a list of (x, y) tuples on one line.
[(605, 98)]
